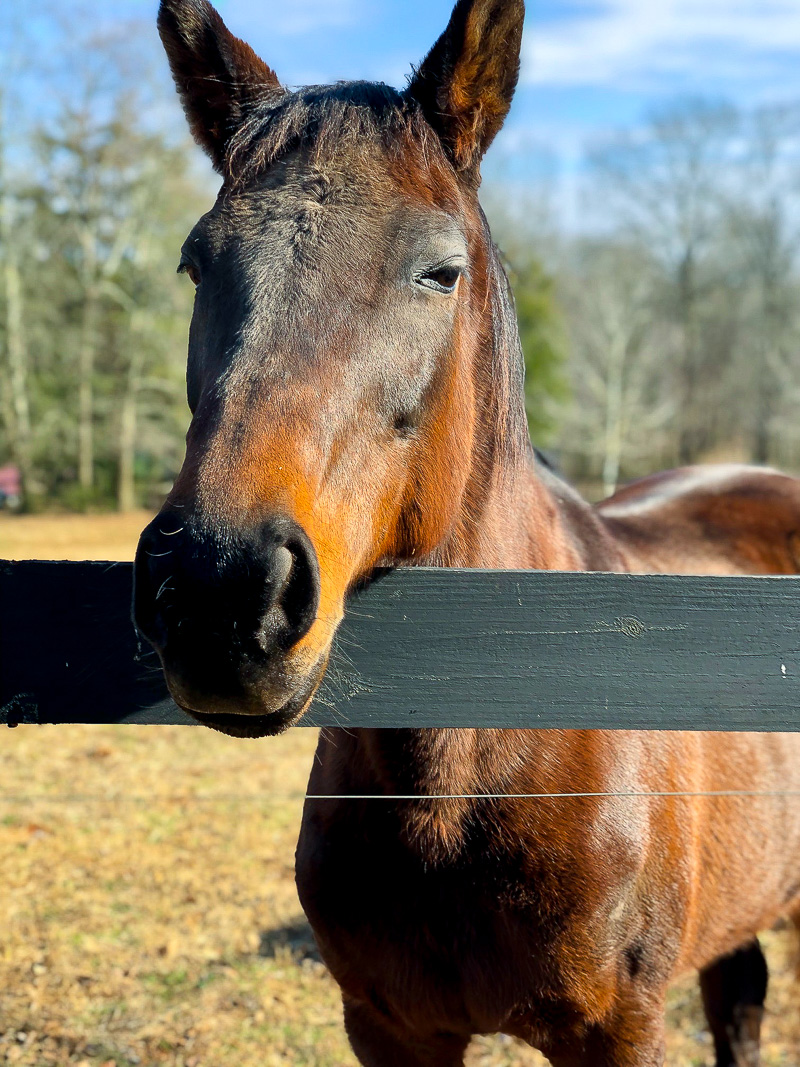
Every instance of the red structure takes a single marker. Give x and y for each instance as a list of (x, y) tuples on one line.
[(10, 486)]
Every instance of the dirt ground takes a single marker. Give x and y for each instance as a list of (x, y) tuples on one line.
[(149, 912)]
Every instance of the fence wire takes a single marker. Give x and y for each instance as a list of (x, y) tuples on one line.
[(229, 798)]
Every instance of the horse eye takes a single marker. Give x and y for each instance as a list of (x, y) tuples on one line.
[(443, 279), (186, 267), (405, 423)]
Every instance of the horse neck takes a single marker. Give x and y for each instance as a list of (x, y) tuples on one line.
[(525, 517), (515, 514), (530, 521)]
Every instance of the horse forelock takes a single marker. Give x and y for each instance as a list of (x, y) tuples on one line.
[(326, 118)]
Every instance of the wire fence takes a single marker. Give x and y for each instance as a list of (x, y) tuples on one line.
[(228, 798)]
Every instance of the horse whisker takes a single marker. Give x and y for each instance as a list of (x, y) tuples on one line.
[(165, 587)]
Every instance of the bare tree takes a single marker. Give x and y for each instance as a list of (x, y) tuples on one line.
[(16, 406), (762, 235), (616, 375), (667, 189), (92, 317)]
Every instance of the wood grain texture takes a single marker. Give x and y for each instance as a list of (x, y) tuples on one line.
[(426, 647)]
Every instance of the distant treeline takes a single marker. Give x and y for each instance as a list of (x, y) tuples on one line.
[(682, 311), (669, 336), (96, 197)]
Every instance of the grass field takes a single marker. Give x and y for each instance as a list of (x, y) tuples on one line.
[(71, 536), (149, 912)]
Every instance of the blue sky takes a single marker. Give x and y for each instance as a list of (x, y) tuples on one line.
[(589, 66)]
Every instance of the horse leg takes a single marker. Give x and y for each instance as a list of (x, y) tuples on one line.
[(376, 1044), (628, 1039), (734, 988), (608, 1051), (632, 1037)]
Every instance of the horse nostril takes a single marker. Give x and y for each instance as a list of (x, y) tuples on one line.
[(294, 593), (301, 591), (283, 562), (257, 595)]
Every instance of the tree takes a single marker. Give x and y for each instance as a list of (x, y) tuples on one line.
[(621, 408), (763, 236), (520, 234), (668, 192), (14, 378), (92, 317)]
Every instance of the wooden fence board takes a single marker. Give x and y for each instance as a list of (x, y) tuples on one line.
[(426, 647)]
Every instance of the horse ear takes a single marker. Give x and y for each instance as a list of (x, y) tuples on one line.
[(219, 78), (465, 83)]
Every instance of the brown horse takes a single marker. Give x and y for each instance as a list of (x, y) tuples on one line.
[(356, 388)]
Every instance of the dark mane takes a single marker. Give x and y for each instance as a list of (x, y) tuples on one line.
[(507, 385)]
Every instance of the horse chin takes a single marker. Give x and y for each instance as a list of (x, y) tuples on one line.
[(277, 722), (253, 724)]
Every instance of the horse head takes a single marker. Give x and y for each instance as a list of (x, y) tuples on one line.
[(354, 374)]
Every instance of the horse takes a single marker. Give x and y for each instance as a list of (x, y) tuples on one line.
[(356, 388)]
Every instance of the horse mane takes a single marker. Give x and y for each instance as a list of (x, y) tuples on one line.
[(326, 118), (507, 385)]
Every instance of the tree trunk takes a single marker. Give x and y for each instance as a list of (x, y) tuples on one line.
[(687, 443), (126, 484), (126, 456), (612, 445), (762, 413), (17, 405), (86, 352), (18, 373)]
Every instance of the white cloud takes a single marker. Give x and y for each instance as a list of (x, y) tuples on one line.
[(294, 17), (642, 43)]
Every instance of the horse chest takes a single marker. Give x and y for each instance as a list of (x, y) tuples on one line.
[(465, 944)]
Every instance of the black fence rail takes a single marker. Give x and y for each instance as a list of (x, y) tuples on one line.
[(428, 647)]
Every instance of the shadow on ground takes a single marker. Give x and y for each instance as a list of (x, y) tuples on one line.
[(295, 936)]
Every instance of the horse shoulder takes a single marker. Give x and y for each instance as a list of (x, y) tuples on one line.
[(725, 519)]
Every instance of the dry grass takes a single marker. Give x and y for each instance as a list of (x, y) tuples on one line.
[(150, 915), (71, 536)]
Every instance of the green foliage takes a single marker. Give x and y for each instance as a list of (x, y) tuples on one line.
[(543, 345), (518, 225), (670, 335), (97, 225)]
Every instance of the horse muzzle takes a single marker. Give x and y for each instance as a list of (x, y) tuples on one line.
[(229, 614)]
